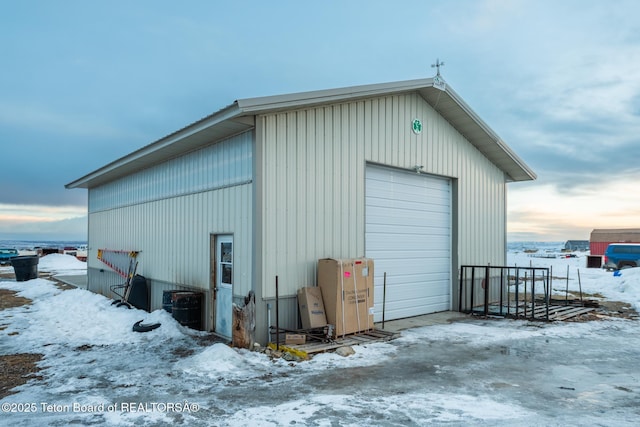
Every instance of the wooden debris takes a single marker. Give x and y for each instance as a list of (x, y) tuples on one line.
[(368, 337)]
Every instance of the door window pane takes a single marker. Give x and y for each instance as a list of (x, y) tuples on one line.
[(226, 252), (227, 273)]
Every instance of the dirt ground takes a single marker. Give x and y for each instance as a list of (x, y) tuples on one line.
[(9, 299), (604, 308), (17, 369), (612, 309)]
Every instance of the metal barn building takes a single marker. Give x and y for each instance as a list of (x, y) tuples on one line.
[(404, 173), (600, 238)]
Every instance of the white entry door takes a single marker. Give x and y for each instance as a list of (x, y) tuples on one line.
[(408, 235), (224, 285)]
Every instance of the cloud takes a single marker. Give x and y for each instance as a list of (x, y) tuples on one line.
[(546, 212), (42, 223), (43, 183), (556, 80), (11, 215), (577, 111)]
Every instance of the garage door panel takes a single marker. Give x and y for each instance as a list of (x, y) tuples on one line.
[(424, 285), (408, 312), (408, 235), (406, 293), (410, 207), (407, 195), (409, 298), (384, 211), (425, 217), (415, 303), (428, 221), (412, 252), (393, 251), (418, 246), (377, 197), (399, 311), (424, 233), (428, 235), (415, 274)]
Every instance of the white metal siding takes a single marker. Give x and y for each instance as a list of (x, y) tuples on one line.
[(408, 234), (312, 187), (172, 235), (172, 222), (226, 163)]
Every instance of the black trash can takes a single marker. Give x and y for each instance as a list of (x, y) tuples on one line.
[(25, 267), (187, 309)]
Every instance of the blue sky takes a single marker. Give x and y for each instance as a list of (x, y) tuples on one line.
[(84, 83)]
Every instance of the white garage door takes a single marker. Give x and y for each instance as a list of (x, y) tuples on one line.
[(408, 235)]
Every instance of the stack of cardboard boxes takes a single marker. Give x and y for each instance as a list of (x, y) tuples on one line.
[(343, 297)]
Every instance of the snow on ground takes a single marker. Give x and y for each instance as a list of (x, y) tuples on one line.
[(62, 264), (96, 370), (617, 286)]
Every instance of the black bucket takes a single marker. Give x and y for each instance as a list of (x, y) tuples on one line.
[(187, 308), (25, 267)]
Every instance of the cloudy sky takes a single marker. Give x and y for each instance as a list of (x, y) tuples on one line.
[(84, 83)]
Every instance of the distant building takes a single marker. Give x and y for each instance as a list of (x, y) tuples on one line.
[(404, 173), (577, 245), (601, 238)]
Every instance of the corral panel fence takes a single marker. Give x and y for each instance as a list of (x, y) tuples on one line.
[(522, 292)]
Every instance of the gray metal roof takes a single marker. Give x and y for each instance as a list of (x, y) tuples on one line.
[(605, 235), (240, 116)]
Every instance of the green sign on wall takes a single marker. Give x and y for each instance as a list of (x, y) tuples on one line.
[(416, 126)]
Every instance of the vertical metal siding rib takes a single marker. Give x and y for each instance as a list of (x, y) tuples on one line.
[(227, 163), (317, 211), (168, 212)]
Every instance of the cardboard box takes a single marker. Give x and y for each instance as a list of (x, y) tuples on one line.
[(293, 339), (347, 292), (311, 307)]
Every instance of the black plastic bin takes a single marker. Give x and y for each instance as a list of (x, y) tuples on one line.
[(187, 309), (184, 306), (25, 267)]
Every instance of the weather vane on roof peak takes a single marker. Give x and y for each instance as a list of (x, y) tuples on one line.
[(437, 66), (438, 81)]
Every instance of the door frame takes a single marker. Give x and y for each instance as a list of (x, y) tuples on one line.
[(214, 239)]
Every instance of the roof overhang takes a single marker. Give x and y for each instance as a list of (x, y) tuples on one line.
[(451, 106), (240, 117)]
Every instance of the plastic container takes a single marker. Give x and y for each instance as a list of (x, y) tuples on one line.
[(187, 309), (25, 267)]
